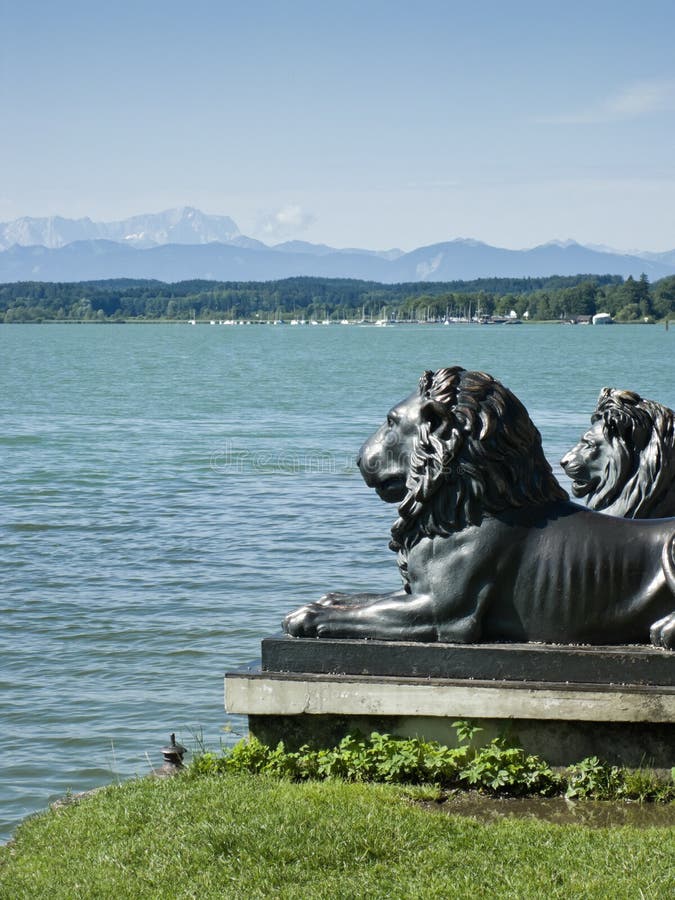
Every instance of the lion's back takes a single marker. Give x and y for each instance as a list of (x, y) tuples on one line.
[(580, 570)]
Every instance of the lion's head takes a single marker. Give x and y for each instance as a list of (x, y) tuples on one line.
[(459, 447), (625, 463)]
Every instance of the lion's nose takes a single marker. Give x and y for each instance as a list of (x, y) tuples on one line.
[(364, 460), (362, 456), (565, 461)]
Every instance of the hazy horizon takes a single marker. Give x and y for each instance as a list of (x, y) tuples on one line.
[(373, 125)]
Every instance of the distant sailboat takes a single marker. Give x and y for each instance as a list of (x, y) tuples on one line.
[(382, 321)]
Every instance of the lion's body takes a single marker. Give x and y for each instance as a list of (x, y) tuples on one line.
[(625, 463), (489, 546), (527, 576)]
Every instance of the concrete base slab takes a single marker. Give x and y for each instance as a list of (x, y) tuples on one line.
[(560, 719), (255, 692)]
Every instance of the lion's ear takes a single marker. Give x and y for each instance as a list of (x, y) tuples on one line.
[(617, 426), (611, 427), (434, 413)]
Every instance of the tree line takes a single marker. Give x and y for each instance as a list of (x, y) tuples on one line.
[(543, 299)]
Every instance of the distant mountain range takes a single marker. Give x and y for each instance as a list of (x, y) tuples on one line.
[(182, 244), (173, 226)]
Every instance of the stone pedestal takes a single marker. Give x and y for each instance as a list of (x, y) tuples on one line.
[(561, 702)]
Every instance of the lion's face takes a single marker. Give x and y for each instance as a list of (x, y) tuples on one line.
[(384, 459), (587, 463), (460, 447), (625, 463)]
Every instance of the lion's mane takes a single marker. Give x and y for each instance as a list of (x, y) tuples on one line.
[(477, 452), (640, 471)]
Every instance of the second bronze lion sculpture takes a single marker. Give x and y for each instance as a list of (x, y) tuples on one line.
[(489, 546), (624, 465)]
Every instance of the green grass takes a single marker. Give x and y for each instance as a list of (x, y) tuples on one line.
[(237, 835)]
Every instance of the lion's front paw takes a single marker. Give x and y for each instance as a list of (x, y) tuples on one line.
[(320, 618), (302, 622), (662, 633)]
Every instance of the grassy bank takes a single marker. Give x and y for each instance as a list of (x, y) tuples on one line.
[(238, 835)]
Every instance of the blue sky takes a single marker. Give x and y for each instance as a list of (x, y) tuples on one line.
[(373, 124)]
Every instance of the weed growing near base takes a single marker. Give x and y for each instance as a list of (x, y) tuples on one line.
[(498, 767)]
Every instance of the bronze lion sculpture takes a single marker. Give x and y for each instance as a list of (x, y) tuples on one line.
[(625, 463), (489, 546)]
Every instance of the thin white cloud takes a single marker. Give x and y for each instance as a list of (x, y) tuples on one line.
[(643, 98), (632, 102), (284, 223)]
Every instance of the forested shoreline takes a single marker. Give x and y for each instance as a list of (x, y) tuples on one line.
[(562, 298)]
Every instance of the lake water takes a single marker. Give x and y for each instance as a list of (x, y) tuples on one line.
[(170, 492)]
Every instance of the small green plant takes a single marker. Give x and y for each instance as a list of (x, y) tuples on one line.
[(593, 778), (501, 768), (466, 730), (644, 784)]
